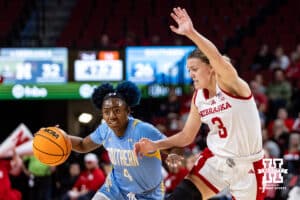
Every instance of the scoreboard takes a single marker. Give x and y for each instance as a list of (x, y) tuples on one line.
[(147, 65), (42, 73), (33, 65), (98, 66)]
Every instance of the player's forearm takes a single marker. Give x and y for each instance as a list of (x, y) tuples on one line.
[(205, 45), (77, 144), (178, 140)]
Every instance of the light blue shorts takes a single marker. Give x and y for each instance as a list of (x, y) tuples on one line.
[(112, 191)]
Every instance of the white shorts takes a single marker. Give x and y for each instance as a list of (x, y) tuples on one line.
[(241, 178)]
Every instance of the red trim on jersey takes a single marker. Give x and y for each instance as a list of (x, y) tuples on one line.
[(206, 93), (206, 154), (195, 95), (236, 97), (211, 186), (260, 195)]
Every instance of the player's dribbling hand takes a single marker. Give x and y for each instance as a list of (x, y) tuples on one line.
[(184, 22), (144, 146)]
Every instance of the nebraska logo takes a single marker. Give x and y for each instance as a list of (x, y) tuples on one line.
[(219, 108), (272, 170)]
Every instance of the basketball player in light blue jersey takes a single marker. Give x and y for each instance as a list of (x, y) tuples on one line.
[(132, 177)]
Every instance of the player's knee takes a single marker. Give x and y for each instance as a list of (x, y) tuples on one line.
[(186, 190)]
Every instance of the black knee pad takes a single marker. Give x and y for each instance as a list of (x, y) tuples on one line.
[(185, 190)]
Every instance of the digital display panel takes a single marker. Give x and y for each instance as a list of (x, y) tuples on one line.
[(73, 90), (47, 91), (33, 65), (158, 64), (87, 55), (98, 70)]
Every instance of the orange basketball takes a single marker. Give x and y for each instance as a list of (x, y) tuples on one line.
[(51, 146)]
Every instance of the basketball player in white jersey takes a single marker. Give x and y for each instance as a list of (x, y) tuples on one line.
[(224, 102)]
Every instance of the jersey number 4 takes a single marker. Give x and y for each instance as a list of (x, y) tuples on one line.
[(222, 129), (127, 175)]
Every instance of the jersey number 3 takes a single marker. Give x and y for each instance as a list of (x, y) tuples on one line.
[(222, 129)]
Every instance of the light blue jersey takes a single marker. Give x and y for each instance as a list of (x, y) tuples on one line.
[(130, 174)]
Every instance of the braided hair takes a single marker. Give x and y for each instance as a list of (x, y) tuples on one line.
[(127, 91)]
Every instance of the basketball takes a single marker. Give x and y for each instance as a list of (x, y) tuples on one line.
[(51, 146)]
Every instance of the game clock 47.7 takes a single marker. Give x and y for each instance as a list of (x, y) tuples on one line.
[(98, 70)]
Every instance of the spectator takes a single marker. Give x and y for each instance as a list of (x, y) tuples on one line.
[(282, 115), (89, 181), (292, 155), (67, 180), (40, 180), (279, 92), (174, 177), (294, 193), (174, 122), (190, 159), (294, 107), (272, 148), (105, 162), (177, 174), (281, 60), (169, 106), (265, 135), (279, 128), (296, 124), (129, 40), (261, 101), (9, 167), (298, 49), (185, 103), (153, 41), (104, 42), (293, 70), (178, 41), (260, 81), (262, 59)]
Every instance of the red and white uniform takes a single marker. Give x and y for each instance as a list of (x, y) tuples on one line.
[(234, 144), (234, 124)]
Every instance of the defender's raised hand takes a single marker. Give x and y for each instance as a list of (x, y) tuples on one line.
[(183, 20)]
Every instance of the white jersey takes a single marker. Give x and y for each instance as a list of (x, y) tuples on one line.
[(234, 123)]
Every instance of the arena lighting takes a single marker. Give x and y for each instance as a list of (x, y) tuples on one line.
[(85, 118)]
